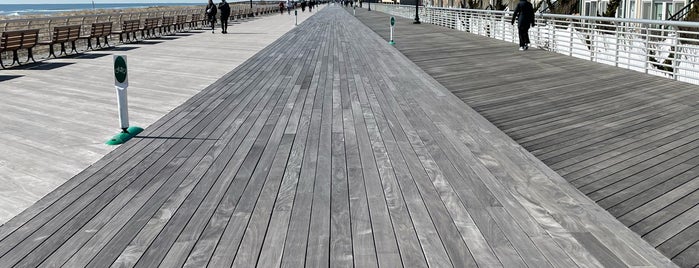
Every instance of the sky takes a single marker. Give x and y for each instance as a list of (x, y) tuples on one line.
[(96, 1)]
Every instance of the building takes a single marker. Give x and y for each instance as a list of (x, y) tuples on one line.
[(636, 9)]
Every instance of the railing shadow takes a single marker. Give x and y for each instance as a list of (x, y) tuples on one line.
[(8, 77), (173, 138), (41, 66)]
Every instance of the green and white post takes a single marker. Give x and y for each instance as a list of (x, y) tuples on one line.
[(393, 23), (121, 83), (354, 10), (296, 15)]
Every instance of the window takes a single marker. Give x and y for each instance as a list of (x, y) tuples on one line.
[(647, 9)]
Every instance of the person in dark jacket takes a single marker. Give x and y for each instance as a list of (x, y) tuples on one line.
[(211, 14), (524, 13), (225, 14)]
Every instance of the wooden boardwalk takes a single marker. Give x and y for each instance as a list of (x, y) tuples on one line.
[(627, 140), (327, 148)]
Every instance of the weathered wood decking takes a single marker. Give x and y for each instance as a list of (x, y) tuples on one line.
[(57, 114), (328, 147), (625, 139)]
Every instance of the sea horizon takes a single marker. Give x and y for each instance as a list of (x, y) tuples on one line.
[(18, 10)]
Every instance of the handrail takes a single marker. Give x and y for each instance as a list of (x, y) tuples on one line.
[(682, 12)]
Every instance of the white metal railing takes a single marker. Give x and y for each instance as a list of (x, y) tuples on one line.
[(665, 48)]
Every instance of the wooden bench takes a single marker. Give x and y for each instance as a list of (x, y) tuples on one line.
[(166, 25), (99, 30), (180, 23), (149, 27), (62, 35), (16, 40), (196, 19), (128, 28)]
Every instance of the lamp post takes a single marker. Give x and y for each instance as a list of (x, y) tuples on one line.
[(417, 17)]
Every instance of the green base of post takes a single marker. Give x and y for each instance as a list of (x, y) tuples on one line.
[(391, 42), (124, 136)]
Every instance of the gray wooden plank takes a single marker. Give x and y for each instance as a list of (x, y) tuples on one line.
[(317, 253), (688, 257), (340, 226), (678, 245), (597, 249), (651, 222)]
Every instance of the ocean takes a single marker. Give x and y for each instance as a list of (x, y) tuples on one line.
[(47, 9)]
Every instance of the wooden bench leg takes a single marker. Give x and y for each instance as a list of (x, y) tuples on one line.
[(73, 47), (106, 41), (30, 55), (51, 51), (63, 49), (15, 57), (89, 43)]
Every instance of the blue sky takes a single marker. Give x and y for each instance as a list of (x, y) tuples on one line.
[(98, 1)]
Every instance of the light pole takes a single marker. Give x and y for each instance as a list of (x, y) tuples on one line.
[(417, 17), (369, 5)]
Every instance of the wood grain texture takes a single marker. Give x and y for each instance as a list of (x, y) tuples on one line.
[(328, 148), (627, 140)]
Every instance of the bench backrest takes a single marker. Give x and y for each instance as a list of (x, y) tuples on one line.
[(101, 29), (62, 34), (168, 21), (196, 17), (181, 19), (130, 25), (151, 23), (14, 40)]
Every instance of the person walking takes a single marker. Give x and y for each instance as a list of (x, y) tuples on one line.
[(289, 6), (524, 14), (281, 7), (211, 14), (303, 6), (225, 14)]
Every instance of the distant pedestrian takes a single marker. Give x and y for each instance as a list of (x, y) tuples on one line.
[(303, 6), (225, 14), (310, 6), (281, 8), (524, 14), (289, 6), (211, 14)]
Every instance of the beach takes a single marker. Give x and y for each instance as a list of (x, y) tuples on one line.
[(19, 11)]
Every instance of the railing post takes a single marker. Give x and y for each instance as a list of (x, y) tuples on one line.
[(616, 44), (676, 58), (502, 30), (592, 37), (570, 42), (646, 56)]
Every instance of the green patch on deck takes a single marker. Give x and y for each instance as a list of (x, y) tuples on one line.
[(123, 137)]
